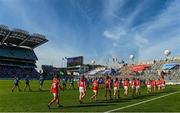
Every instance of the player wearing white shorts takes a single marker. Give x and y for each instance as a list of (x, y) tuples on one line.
[(95, 89), (148, 84), (163, 84), (82, 89), (108, 87), (126, 87), (116, 88), (55, 91), (159, 84), (154, 85), (133, 86), (138, 85)]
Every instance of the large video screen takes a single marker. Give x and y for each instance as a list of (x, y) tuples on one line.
[(74, 61)]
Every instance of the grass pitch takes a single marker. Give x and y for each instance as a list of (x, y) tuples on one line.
[(37, 101)]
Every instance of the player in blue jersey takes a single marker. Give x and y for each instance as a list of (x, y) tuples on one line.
[(41, 81), (16, 83), (71, 83), (64, 83), (27, 83)]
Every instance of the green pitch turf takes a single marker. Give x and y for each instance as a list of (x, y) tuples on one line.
[(37, 101)]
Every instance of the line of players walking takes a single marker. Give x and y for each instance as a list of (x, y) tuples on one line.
[(16, 83), (83, 84), (109, 83)]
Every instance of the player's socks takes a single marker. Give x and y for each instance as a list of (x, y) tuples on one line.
[(49, 107), (91, 99), (59, 105), (80, 101)]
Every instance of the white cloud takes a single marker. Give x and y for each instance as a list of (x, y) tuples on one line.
[(53, 56), (28, 18), (111, 8), (150, 38), (115, 44), (157, 50), (122, 29), (140, 41), (135, 13), (165, 32), (114, 34)]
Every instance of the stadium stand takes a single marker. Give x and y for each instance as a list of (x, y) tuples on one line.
[(172, 76), (17, 56)]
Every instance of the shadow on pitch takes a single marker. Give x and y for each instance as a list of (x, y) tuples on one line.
[(38, 91), (84, 105), (150, 95), (111, 101), (128, 99)]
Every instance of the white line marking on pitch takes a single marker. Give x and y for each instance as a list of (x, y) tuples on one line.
[(141, 102)]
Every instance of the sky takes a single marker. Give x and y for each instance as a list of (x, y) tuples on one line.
[(97, 29)]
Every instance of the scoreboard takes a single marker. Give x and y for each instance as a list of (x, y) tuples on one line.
[(75, 61)]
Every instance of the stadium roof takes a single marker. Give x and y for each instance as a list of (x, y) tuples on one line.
[(20, 37)]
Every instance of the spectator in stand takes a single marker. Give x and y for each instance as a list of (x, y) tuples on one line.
[(162, 74)]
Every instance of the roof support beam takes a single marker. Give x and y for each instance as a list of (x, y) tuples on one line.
[(24, 40), (4, 39)]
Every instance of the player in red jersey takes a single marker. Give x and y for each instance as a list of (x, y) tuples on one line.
[(126, 86), (133, 86), (163, 83), (138, 85), (148, 84), (159, 84), (55, 91), (95, 89), (82, 88), (154, 85), (116, 88), (108, 87)]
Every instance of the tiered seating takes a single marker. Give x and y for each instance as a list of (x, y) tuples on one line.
[(126, 72), (16, 52)]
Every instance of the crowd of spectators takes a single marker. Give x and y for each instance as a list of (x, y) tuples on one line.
[(10, 72)]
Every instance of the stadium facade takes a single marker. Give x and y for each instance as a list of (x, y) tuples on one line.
[(75, 66), (17, 56)]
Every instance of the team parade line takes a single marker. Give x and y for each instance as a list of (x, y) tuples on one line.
[(134, 85)]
